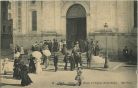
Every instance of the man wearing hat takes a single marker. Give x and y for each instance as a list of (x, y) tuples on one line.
[(76, 53), (55, 46), (66, 60), (72, 62), (55, 61)]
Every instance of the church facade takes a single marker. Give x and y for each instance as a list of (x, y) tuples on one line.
[(73, 20)]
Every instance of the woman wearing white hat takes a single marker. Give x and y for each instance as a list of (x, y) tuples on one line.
[(37, 56)]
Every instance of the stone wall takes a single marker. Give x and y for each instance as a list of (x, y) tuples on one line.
[(116, 43), (28, 40)]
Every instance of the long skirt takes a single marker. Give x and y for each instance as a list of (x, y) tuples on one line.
[(16, 73), (47, 61), (25, 79), (32, 67), (38, 67)]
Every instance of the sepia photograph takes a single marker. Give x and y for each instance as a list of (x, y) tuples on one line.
[(68, 43)]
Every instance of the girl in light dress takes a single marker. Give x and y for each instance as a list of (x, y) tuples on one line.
[(5, 65)]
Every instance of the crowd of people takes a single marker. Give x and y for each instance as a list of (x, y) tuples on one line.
[(44, 51)]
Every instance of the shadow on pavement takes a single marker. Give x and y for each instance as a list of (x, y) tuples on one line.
[(8, 77), (99, 68), (130, 66), (4, 84)]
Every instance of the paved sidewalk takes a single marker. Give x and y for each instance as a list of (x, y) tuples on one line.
[(125, 78), (117, 76), (112, 65)]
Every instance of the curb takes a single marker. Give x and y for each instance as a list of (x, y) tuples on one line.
[(117, 66)]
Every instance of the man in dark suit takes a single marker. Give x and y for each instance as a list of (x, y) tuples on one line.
[(66, 58), (50, 45), (89, 54), (75, 53), (96, 49), (55, 45), (72, 62), (55, 61), (125, 53)]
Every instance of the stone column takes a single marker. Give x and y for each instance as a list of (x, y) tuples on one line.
[(24, 17), (0, 26), (93, 14), (88, 24), (57, 17), (63, 26)]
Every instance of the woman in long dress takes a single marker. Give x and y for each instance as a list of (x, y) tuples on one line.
[(37, 55), (46, 54), (17, 70), (32, 68), (25, 79), (38, 66)]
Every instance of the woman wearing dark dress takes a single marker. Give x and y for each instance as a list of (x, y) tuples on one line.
[(16, 70), (32, 68), (25, 79)]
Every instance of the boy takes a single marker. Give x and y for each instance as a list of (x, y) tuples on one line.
[(79, 77)]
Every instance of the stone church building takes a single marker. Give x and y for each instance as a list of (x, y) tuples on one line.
[(76, 19)]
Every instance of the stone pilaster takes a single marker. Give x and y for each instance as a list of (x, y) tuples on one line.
[(0, 27)]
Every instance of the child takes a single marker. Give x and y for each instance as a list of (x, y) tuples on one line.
[(5, 65), (79, 77)]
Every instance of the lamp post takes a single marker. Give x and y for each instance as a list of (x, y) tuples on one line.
[(106, 65)]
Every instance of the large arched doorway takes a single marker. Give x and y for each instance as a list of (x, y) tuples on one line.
[(75, 24)]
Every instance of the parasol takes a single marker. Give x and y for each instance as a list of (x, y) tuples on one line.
[(36, 54), (46, 52)]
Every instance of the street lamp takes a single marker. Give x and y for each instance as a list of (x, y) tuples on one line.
[(106, 65)]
